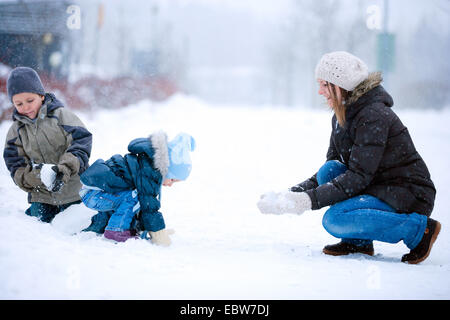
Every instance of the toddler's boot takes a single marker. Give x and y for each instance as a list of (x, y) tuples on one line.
[(120, 236)]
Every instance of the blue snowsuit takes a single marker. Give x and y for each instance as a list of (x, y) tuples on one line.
[(116, 181)]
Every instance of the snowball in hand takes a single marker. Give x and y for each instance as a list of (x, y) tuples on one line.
[(276, 203), (48, 175), (266, 202)]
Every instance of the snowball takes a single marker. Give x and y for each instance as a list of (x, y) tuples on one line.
[(48, 175)]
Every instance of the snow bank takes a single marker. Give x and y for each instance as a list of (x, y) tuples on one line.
[(223, 247)]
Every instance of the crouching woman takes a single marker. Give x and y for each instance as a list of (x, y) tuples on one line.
[(374, 180)]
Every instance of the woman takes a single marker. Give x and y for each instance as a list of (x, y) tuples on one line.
[(375, 182)]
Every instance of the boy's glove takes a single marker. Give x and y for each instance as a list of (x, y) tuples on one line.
[(28, 177), (284, 202), (161, 237), (59, 179)]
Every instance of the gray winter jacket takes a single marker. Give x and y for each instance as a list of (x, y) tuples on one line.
[(56, 136)]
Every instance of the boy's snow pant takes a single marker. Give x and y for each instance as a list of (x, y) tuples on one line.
[(116, 211), (46, 212), (362, 219)]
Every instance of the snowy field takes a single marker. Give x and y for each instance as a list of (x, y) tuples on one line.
[(223, 247)]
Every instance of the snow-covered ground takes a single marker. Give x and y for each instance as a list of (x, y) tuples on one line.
[(223, 247)]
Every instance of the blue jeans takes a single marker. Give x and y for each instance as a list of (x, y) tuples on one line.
[(118, 210), (364, 218)]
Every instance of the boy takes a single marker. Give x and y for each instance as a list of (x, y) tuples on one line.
[(47, 146), (123, 186)]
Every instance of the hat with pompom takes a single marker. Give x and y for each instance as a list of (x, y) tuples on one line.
[(342, 69), (179, 156)]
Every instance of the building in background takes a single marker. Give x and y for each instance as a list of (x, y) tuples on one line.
[(62, 40), (35, 34)]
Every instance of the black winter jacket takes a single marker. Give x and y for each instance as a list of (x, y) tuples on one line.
[(379, 154)]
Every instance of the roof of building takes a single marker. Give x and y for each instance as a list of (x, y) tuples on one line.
[(34, 17)]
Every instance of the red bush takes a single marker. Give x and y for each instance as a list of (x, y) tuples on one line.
[(92, 92)]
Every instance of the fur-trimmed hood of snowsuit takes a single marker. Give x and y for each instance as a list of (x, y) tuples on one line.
[(142, 169), (379, 153)]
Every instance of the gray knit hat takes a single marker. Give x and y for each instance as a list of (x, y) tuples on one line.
[(24, 79), (342, 69)]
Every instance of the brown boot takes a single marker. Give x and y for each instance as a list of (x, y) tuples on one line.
[(344, 248), (422, 250)]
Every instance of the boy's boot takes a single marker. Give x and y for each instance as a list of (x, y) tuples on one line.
[(43, 211), (422, 250), (344, 248)]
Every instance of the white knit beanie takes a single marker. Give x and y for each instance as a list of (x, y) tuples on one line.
[(342, 69)]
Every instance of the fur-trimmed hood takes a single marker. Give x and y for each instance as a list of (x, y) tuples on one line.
[(368, 92), (155, 146), (161, 155), (373, 80)]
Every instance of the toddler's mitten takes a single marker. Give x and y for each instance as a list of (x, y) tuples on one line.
[(161, 237)]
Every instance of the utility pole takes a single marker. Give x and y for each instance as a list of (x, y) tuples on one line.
[(98, 26), (386, 46)]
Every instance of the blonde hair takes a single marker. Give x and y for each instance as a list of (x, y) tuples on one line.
[(338, 97)]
